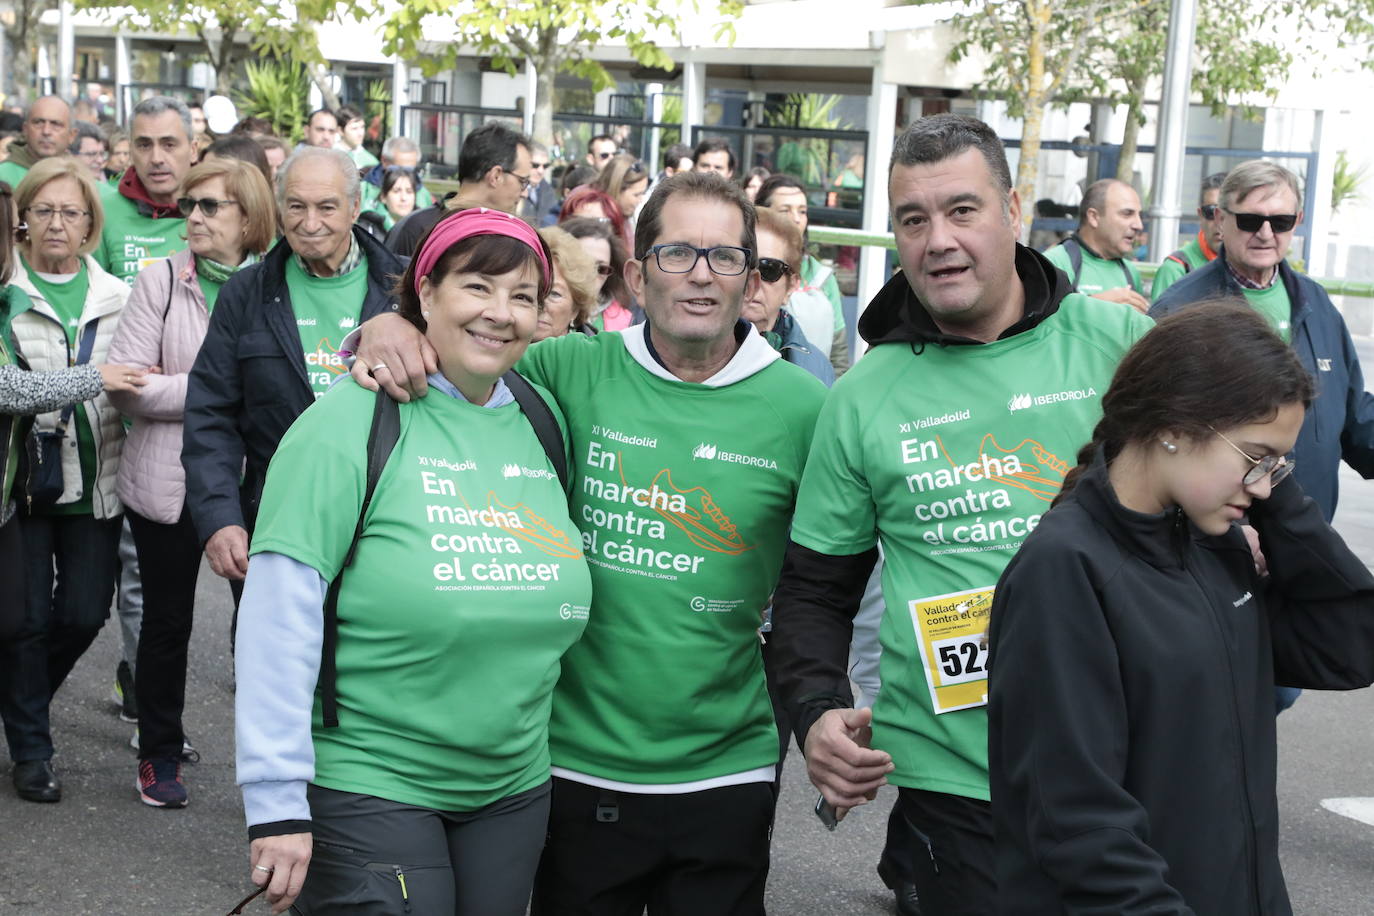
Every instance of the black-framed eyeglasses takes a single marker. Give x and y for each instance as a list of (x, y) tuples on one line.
[(723, 260), (523, 179), (68, 215), (1275, 467), (772, 270), (208, 205), (1251, 222), (1209, 211), (247, 900)]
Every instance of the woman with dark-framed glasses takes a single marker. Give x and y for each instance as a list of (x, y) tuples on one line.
[(230, 221), (1137, 635)]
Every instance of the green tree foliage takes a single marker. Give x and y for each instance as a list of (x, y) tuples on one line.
[(1348, 182), (282, 29), (555, 36)]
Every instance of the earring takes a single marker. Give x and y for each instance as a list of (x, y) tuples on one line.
[(425, 314), (1168, 446)]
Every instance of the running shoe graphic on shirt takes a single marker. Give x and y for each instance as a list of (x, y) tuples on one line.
[(702, 520), (534, 529), (1037, 470)]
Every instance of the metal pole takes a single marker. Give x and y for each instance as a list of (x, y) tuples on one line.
[(66, 51), (1173, 130), (531, 97)]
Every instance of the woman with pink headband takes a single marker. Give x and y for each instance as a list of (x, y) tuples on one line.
[(415, 779)]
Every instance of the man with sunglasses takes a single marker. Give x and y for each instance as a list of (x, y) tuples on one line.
[(1259, 210), (493, 172), (600, 149), (1201, 250), (662, 738), (142, 222)]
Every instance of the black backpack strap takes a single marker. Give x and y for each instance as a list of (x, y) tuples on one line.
[(1130, 278), (1075, 251), (381, 439), (83, 355), (1178, 258), (546, 428)]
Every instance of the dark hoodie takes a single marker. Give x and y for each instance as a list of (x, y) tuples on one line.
[(818, 594), (21, 155)]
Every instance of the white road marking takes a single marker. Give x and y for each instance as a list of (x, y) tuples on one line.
[(1359, 809)]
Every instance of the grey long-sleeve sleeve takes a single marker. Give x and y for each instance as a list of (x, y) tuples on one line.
[(26, 392)]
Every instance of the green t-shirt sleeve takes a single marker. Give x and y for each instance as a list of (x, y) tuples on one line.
[(835, 513), (543, 362), (315, 483), (1169, 273)]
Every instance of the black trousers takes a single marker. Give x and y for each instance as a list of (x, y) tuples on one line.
[(70, 564), (169, 556), (614, 853), (949, 850), (11, 579)]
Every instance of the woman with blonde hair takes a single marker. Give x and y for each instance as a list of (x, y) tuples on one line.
[(230, 221), (572, 296), (72, 517)]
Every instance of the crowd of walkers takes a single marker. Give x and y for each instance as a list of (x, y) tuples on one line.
[(528, 626)]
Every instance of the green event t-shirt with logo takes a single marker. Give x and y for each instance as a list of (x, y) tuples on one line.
[(327, 309), (1098, 274), (467, 588), (1273, 304), (132, 241), (949, 456), (684, 494), (68, 301)]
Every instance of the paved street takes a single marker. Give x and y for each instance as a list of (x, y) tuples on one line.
[(101, 852)]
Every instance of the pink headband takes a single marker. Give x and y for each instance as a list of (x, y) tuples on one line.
[(478, 221)]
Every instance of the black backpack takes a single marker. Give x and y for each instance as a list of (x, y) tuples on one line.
[(1075, 249), (381, 439)]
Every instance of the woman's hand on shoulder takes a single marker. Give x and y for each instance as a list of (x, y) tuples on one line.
[(123, 378), (280, 862)]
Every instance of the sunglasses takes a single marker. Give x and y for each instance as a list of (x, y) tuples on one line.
[(772, 270), (208, 205), (1209, 211), (1251, 222)]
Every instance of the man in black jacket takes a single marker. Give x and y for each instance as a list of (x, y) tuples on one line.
[(271, 348), (945, 443)]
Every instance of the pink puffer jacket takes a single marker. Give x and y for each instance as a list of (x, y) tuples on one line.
[(163, 324)]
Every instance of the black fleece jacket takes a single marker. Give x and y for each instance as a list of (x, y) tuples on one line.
[(1131, 718), (818, 594)]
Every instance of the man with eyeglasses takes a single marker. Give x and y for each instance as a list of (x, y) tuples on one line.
[(1201, 250), (142, 222), (47, 131), (541, 204), (600, 149), (944, 445), (662, 737), (493, 171), (1259, 208), (92, 148), (1095, 256)]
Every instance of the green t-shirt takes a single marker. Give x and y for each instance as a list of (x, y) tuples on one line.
[(210, 289), (684, 494), (132, 241), (1098, 274), (326, 308), (468, 586), (1170, 271), (1273, 304), (948, 457), (68, 300), (372, 197), (12, 173)]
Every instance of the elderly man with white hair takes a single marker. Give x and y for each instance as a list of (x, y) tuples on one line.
[(272, 346)]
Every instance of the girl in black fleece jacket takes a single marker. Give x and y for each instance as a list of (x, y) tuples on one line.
[(1136, 639)]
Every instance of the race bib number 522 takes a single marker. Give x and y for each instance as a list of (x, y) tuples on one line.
[(951, 636)]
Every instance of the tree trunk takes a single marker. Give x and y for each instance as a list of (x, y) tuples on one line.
[(1033, 116), (23, 73), (544, 73), (1125, 167), (319, 75), (225, 61)]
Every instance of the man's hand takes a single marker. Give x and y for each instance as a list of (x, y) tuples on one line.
[(282, 861), (227, 551), (840, 762), (1126, 296), (393, 354)]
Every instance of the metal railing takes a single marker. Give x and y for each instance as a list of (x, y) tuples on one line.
[(831, 235)]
